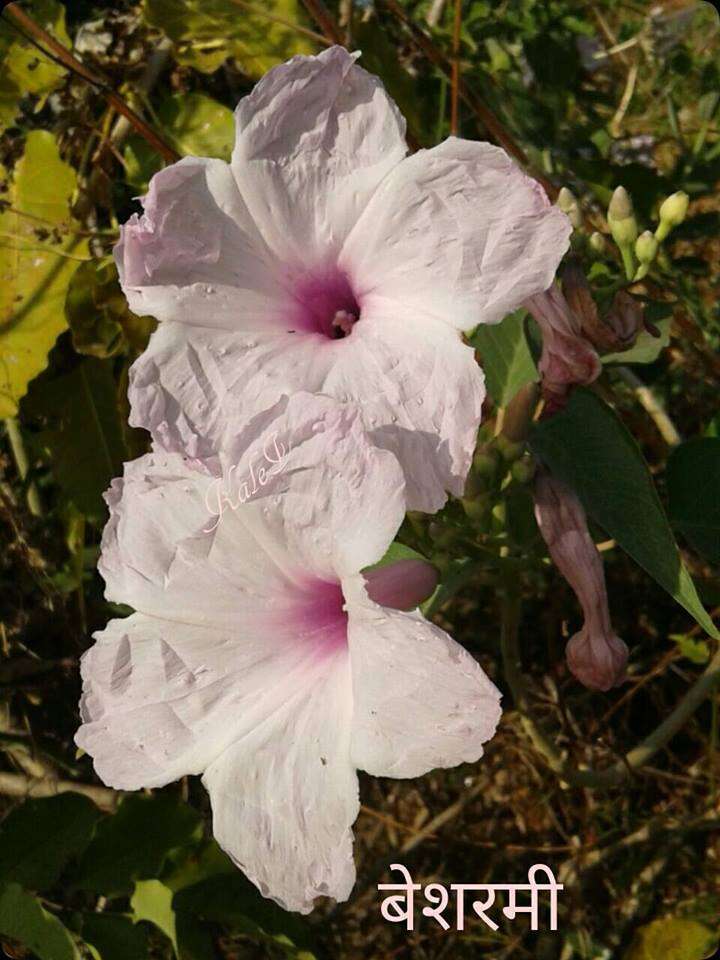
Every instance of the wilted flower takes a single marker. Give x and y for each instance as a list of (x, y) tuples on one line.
[(322, 258), (257, 655), (614, 332), (595, 655), (567, 357)]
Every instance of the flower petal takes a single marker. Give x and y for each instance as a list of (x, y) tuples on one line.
[(195, 254), (191, 386), (420, 392), (420, 700), (285, 797), (314, 139), (293, 492), (162, 699), (416, 384), (458, 231)]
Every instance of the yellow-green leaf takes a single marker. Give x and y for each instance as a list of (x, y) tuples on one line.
[(23, 69), (98, 315), (152, 901), (207, 32), (196, 125), (673, 939), (38, 256)]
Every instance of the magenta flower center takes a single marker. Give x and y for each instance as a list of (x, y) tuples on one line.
[(325, 304), (319, 619)]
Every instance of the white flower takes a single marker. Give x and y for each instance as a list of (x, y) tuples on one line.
[(324, 259), (256, 656)]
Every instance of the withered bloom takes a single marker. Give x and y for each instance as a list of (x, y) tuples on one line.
[(596, 656)]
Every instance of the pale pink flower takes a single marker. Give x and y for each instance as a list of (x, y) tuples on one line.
[(256, 656), (325, 259), (595, 654)]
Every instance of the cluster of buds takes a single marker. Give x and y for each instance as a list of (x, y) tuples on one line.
[(498, 462), (638, 250)]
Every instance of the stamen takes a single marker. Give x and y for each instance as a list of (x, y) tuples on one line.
[(342, 323)]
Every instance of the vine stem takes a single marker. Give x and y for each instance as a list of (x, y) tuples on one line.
[(22, 462), (51, 48), (455, 67), (20, 785), (652, 406), (324, 19)]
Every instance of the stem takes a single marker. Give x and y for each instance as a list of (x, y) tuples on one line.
[(322, 16), (483, 113), (22, 463), (628, 261), (45, 42), (296, 27), (652, 406), (457, 25), (19, 785)]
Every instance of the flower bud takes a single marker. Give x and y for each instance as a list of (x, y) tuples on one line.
[(621, 218), (598, 242), (485, 464), (646, 247), (510, 450), (523, 471), (567, 202), (402, 585), (566, 199), (673, 211), (621, 205), (595, 655)]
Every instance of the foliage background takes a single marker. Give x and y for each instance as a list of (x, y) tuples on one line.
[(597, 94)]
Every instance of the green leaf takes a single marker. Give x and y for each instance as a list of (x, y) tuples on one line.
[(673, 939), (199, 863), (505, 356), (134, 843), (397, 551), (82, 440), (23, 919), (36, 264), (24, 71), (114, 937), (232, 900), (207, 32), (693, 481), (39, 837), (589, 447), (194, 124), (98, 315), (696, 651), (152, 901)]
